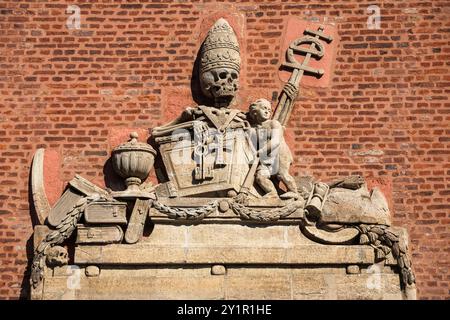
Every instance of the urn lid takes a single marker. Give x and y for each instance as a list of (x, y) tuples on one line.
[(134, 145)]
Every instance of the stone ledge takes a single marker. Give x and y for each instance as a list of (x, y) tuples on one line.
[(141, 254), (225, 244)]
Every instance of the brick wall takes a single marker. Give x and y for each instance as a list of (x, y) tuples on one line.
[(385, 113)]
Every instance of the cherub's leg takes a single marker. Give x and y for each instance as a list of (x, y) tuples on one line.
[(263, 180), (288, 180)]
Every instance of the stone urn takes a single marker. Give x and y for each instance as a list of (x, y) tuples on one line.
[(133, 161)]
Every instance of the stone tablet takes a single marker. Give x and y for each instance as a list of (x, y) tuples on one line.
[(99, 235), (106, 213)]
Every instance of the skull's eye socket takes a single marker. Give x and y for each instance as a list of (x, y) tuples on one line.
[(234, 75), (222, 75)]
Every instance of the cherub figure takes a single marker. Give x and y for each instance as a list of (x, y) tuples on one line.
[(274, 155)]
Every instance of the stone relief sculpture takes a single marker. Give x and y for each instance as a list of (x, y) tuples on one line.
[(273, 154), (215, 128), (218, 163)]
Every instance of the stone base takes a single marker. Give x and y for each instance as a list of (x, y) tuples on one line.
[(223, 261), (199, 282)]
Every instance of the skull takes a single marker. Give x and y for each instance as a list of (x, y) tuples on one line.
[(57, 256), (220, 83)]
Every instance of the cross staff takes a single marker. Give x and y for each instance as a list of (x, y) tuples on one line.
[(290, 90)]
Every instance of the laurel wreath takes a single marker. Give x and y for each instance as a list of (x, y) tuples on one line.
[(269, 214), (384, 241), (238, 205), (196, 213)]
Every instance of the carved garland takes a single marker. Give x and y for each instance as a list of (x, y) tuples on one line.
[(384, 241), (243, 211), (186, 213), (271, 214), (62, 232)]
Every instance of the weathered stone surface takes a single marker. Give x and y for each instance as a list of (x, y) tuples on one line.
[(122, 254), (356, 206), (98, 235), (345, 235), (267, 287), (167, 234), (218, 269), (173, 253), (92, 271), (368, 286), (235, 234), (61, 271), (41, 203), (40, 232), (353, 269), (136, 284), (85, 186), (137, 221), (226, 243), (111, 212), (56, 256), (66, 203), (188, 262), (248, 282)]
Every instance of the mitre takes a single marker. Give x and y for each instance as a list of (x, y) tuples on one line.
[(220, 48)]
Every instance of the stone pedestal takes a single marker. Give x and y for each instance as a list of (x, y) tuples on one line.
[(213, 260)]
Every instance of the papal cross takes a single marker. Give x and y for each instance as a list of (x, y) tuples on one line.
[(315, 50)]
